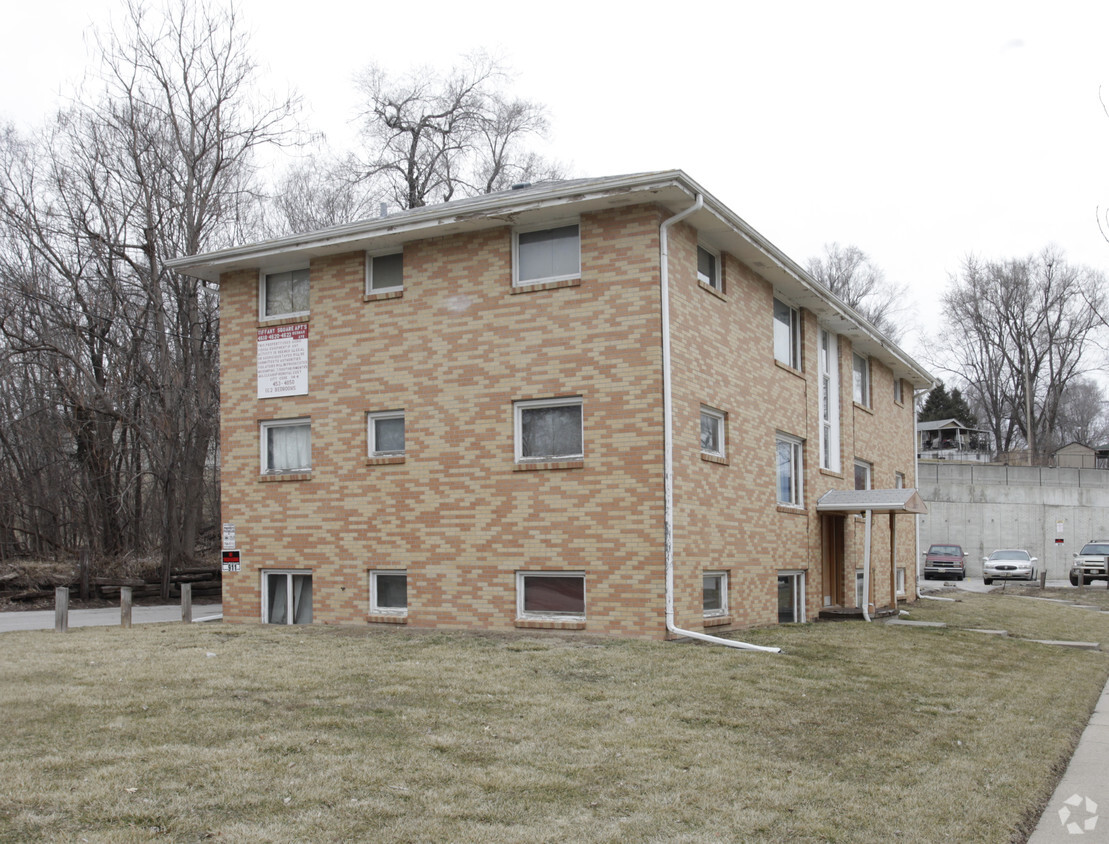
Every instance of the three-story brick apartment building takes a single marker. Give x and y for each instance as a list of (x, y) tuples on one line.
[(606, 405)]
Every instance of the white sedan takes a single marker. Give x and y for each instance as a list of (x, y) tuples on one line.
[(1008, 564)]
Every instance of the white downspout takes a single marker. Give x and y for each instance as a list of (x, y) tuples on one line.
[(668, 441), (866, 568)]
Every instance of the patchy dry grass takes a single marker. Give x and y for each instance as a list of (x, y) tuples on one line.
[(856, 733), (1077, 614)]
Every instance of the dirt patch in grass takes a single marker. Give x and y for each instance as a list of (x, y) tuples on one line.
[(243, 733)]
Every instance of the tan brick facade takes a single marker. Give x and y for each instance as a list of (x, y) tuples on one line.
[(456, 349)]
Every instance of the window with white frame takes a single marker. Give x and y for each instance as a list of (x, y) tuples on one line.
[(791, 597), (548, 429), (900, 582), (790, 468), (550, 595), (286, 597), (787, 334), (898, 395), (860, 379), (863, 473), (389, 592), (286, 446), (546, 254), (708, 268), (829, 400), (385, 273), (898, 480), (283, 294), (712, 432), (386, 433), (860, 583), (714, 590)]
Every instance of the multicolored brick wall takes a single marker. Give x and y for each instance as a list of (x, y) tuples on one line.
[(727, 517), (454, 351)]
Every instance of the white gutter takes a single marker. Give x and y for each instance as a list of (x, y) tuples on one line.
[(668, 441)]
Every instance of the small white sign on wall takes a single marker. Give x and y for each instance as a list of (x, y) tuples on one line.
[(228, 536), (283, 361)]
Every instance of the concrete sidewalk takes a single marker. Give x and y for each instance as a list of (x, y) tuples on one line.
[(106, 617), (1080, 805)]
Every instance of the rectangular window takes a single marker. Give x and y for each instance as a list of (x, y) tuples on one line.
[(898, 396), (900, 582), (860, 582), (386, 433), (898, 480), (712, 432), (860, 381), (790, 491), (554, 596), (863, 471), (708, 268), (544, 255), (283, 294), (286, 597), (715, 593), (286, 446), (791, 597), (787, 334), (389, 592), (385, 273), (549, 429), (829, 401)]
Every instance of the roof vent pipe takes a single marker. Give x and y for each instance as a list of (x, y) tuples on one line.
[(668, 441), (383, 210), (521, 185)]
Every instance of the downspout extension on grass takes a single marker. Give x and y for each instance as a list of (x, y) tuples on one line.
[(668, 442)]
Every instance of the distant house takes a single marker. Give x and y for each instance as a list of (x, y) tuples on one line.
[(950, 439), (603, 405), (1076, 455)]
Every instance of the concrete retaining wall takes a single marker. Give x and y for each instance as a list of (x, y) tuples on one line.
[(988, 507)]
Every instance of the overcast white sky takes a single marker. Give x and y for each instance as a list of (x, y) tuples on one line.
[(918, 132)]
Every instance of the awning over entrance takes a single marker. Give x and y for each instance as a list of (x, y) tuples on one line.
[(874, 500)]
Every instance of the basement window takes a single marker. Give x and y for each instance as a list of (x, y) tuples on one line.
[(553, 596)]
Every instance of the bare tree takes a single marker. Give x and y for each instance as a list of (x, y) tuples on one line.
[(158, 162), (1082, 415), (850, 274), (433, 136), (1020, 333)]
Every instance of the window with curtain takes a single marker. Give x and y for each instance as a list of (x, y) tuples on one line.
[(708, 268), (789, 470), (549, 430), (286, 446), (386, 433), (712, 432), (550, 595), (384, 273), (787, 334), (543, 255), (288, 597), (285, 294)]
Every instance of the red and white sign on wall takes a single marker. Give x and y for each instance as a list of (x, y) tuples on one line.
[(283, 361)]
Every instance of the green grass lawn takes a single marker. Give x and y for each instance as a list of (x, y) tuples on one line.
[(244, 733)]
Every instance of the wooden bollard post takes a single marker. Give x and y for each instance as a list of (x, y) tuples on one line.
[(61, 609), (187, 603), (125, 606)]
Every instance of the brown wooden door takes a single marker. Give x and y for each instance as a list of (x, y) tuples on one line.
[(833, 553)]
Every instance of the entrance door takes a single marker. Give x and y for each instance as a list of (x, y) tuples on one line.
[(832, 529)]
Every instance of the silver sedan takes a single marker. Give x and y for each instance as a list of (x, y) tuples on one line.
[(1008, 564)]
